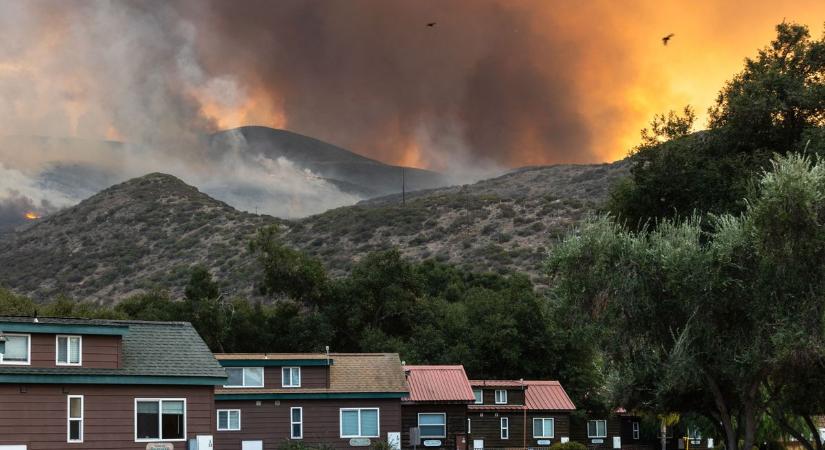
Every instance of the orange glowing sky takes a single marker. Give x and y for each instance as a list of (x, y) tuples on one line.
[(375, 80)]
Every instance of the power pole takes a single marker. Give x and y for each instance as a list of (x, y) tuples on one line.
[(403, 185)]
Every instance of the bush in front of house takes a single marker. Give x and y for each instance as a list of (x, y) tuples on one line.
[(570, 445)]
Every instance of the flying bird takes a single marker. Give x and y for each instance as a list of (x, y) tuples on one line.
[(667, 38), (431, 24)]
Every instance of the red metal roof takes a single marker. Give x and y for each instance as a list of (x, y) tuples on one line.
[(438, 384), (539, 395)]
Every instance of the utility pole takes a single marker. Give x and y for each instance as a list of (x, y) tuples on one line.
[(403, 185)]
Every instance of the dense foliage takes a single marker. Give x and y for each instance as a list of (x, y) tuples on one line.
[(775, 105), (724, 319)]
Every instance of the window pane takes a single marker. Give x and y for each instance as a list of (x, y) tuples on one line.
[(432, 430), (369, 422), (296, 415), (147, 420), (548, 427), (479, 394), (235, 376), (62, 357), (431, 419), (172, 420), (601, 426), (74, 430), (74, 350), (17, 349), (254, 376), (75, 408), (349, 423), (234, 420), (296, 430), (223, 420), (296, 376), (538, 427)]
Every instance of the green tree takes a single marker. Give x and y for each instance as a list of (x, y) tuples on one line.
[(287, 272), (776, 104), (707, 318)]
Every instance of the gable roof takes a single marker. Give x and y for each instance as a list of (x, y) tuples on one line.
[(438, 384), (349, 373), (543, 395), (151, 352)]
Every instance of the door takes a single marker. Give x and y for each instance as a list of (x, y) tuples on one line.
[(478, 444), (252, 445)]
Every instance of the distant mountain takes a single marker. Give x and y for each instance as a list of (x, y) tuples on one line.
[(349, 171), (147, 232)]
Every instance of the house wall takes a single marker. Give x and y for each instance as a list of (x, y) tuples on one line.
[(614, 429), (456, 421), (486, 425), (311, 377), (514, 396), (269, 421), (36, 415), (97, 352)]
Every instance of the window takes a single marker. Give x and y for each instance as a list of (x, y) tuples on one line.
[(501, 397), (479, 395), (291, 377), (160, 420), (74, 428), (543, 427), (596, 428), (359, 422), (244, 377), (15, 349), (432, 425), (505, 428), (296, 423), (68, 350), (469, 426), (229, 419), (635, 430)]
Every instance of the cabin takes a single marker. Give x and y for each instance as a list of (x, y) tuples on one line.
[(340, 400), (518, 413), (615, 430), (434, 414), (80, 384)]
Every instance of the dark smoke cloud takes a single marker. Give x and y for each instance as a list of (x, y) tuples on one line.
[(14, 206), (371, 76)]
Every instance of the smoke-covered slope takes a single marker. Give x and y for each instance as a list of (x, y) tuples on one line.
[(147, 232)]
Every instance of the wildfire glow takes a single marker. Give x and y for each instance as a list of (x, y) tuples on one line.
[(31, 215)]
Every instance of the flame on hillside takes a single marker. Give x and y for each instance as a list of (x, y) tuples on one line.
[(31, 215)]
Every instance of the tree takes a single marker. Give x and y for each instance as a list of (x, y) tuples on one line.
[(287, 272), (707, 317), (775, 105)]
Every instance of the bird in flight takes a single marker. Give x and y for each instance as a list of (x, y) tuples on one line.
[(431, 24), (667, 38)]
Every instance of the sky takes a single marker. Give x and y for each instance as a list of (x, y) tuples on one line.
[(494, 84)]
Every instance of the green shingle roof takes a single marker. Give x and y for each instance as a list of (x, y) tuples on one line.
[(149, 349)]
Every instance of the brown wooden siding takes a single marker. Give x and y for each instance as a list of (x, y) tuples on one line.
[(269, 422), (37, 417), (311, 377), (97, 352), (486, 425), (456, 421), (579, 432), (514, 396)]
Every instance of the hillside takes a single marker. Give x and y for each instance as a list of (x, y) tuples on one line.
[(138, 235), (501, 224), (147, 232)]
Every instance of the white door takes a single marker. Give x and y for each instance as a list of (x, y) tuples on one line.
[(252, 445), (478, 444)]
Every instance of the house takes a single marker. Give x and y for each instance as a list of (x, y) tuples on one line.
[(338, 399), (615, 430), (517, 413), (436, 406), (78, 384)]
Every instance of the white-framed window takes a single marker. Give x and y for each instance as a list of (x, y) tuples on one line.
[(432, 425), (544, 427), (469, 426), (636, 430), (68, 350), (74, 418), (229, 420), (359, 422), (238, 377), (290, 377), (296, 423), (479, 396), (160, 419), (597, 428), (15, 349), (505, 428), (501, 397)]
